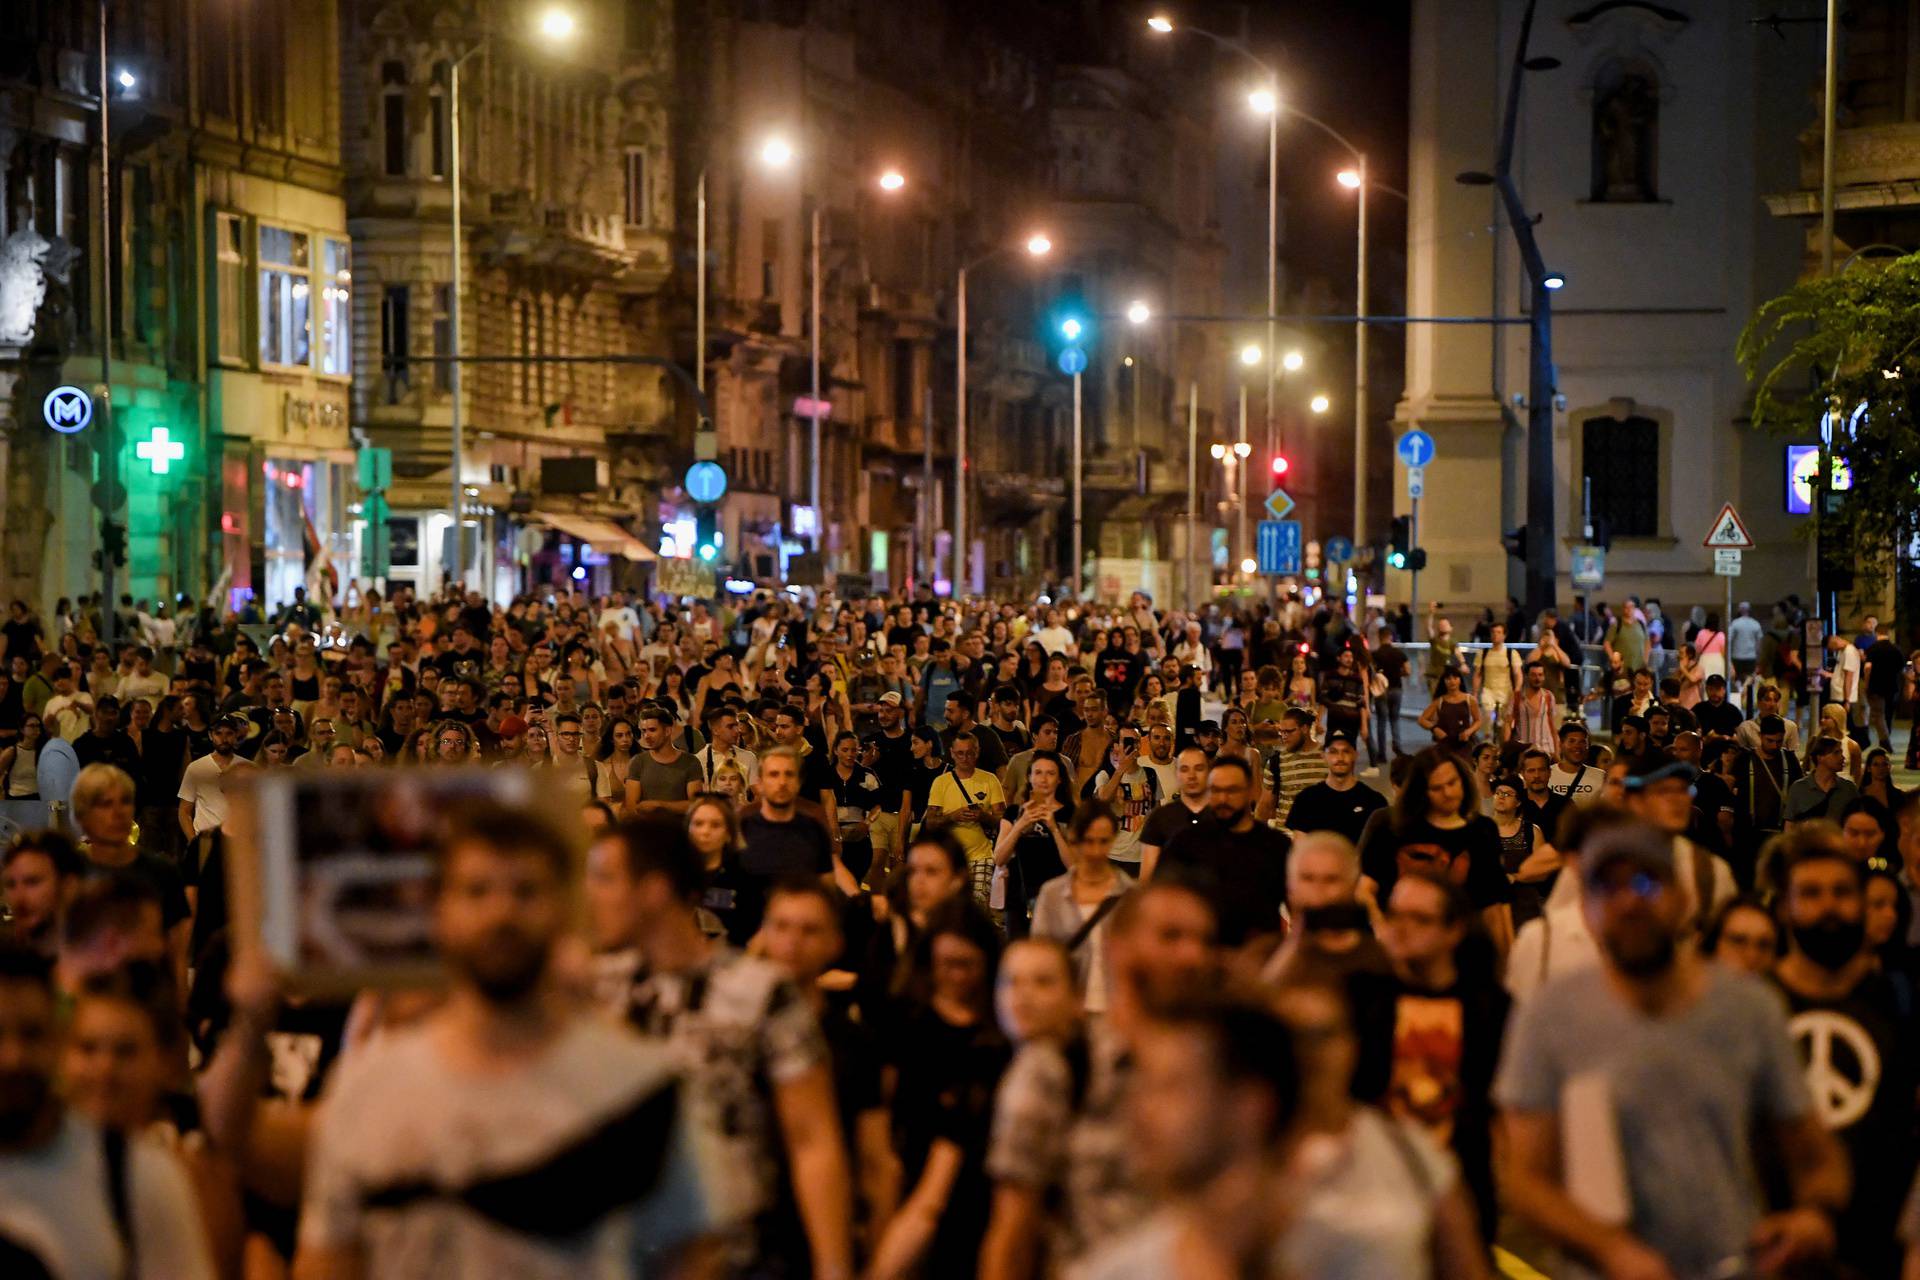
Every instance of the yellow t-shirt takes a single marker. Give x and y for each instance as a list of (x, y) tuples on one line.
[(950, 795)]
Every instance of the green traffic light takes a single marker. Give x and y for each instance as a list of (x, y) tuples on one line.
[(1070, 328), (709, 552), (1397, 559)]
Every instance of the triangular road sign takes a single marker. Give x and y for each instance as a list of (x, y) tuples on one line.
[(1727, 530), (1279, 503)]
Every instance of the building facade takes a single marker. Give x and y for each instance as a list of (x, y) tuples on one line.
[(229, 287), (1646, 153)]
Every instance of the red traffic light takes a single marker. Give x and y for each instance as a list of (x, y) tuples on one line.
[(1280, 464)]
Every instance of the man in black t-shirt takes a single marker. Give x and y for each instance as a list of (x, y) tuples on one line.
[(1187, 810), (1716, 715), (1240, 864), (1845, 1022), (780, 841), (1341, 802), (1885, 671)]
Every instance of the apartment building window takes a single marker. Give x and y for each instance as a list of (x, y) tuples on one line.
[(526, 349), (393, 116), (770, 257), (230, 298), (636, 187), (286, 323), (438, 102), (395, 299), (903, 382), (336, 308), (442, 338)]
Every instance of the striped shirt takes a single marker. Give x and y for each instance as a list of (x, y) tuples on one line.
[(1288, 774)]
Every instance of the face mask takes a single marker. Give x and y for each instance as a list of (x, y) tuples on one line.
[(1830, 942)]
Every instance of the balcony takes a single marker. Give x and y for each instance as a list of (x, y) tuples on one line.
[(1875, 166), (520, 232)]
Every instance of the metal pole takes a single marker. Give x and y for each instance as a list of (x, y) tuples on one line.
[(1079, 582), (1360, 372), (1193, 490), (457, 559), (1413, 578), (700, 284), (813, 471), (1241, 524), (1826, 137), (1273, 260), (926, 482), (1542, 558), (960, 434), (109, 450)]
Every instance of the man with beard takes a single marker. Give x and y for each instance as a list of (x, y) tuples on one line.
[(1633, 1094), (747, 1045), (504, 1134), (1215, 1092), (203, 787), (1844, 1017), (1240, 864), (76, 1203)]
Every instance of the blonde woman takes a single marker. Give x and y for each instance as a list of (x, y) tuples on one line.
[(1833, 723), (102, 806)]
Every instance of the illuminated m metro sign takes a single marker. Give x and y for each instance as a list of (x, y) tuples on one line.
[(67, 410)]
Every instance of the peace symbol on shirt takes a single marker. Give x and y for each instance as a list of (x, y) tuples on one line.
[(1843, 1067)]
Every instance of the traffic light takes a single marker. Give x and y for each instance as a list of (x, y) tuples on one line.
[(1515, 541), (1280, 465), (1416, 559), (706, 534), (1399, 542), (113, 541)]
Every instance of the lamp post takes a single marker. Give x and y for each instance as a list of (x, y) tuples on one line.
[(109, 452), (1038, 246), (1243, 448), (556, 24)]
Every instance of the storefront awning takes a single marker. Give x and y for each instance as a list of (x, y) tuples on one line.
[(603, 534)]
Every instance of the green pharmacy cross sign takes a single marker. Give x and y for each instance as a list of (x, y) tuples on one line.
[(160, 450)]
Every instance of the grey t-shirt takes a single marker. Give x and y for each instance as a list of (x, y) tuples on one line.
[(430, 1169), (664, 781), (1685, 1094)]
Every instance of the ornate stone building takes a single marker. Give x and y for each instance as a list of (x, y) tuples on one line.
[(1646, 153), (230, 288)]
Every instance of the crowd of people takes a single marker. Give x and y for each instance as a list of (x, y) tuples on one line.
[(906, 938)]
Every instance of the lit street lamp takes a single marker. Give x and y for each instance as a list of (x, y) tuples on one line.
[(1037, 246), (1139, 313), (1320, 403), (1293, 362)]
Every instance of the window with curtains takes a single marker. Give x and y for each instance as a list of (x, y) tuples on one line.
[(1620, 459), (336, 308)]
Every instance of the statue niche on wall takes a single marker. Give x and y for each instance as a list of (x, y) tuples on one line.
[(1626, 135)]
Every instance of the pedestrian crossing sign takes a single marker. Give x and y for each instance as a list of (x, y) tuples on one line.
[(1728, 530)]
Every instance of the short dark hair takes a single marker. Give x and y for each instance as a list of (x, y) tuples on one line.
[(1224, 761), (658, 845), (56, 846), (23, 966), (808, 887), (1043, 722), (943, 840), (1298, 716), (115, 900), (1770, 725), (505, 828)]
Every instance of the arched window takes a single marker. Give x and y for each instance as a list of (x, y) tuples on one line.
[(1626, 137)]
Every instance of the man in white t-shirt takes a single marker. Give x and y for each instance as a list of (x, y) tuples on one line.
[(1053, 637), (143, 681), (1572, 776), (69, 712), (203, 787)]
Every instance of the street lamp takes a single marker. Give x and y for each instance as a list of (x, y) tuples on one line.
[(1553, 280), (556, 24), (1250, 354), (1264, 100), (1139, 313), (776, 152), (1349, 178), (1037, 245), (1293, 361), (1320, 403), (892, 180)]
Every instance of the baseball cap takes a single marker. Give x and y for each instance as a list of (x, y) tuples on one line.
[(1658, 766), (512, 727), (1631, 842), (1634, 722), (1338, 735), (1207, 726), (891, 698)]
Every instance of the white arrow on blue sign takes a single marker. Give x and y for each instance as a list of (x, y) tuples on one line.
[(1277, 547), (1415, 448), (1073, 361), (1339, 549)]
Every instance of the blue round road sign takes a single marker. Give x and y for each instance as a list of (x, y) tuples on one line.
[(1073, 361), (1339, 550), (67, 409), (1415, 448), (706, 481)]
